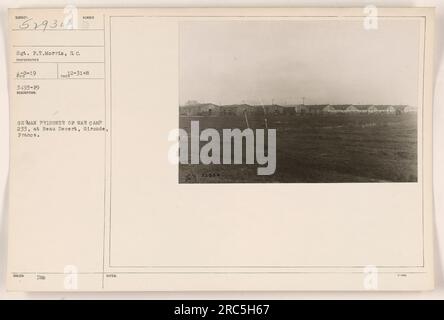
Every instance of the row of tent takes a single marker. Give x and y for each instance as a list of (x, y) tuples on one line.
[(350, 108), (208, 109)]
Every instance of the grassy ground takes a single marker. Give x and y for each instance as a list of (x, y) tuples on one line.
[(320, 148)]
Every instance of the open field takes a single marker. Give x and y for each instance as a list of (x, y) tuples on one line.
[(320, 148)]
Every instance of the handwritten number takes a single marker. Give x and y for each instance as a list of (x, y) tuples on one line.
[(41, 25), (25, 24), (54, 24)]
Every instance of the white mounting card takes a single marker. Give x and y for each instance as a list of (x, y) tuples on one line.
[(220, 149)]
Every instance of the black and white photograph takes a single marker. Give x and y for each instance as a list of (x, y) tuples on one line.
[(299, 101), (240, 152)]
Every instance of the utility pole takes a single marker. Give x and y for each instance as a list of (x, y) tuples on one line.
[(265, 118), (246, 119)]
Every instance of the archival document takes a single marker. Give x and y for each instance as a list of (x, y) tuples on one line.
[(249, 149)]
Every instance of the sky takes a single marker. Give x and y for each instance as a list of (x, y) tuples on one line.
[(331, 62)]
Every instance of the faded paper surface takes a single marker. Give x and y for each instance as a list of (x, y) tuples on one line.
[(96, 205)]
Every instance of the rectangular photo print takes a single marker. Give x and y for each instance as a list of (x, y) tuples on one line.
[(299, 101)]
